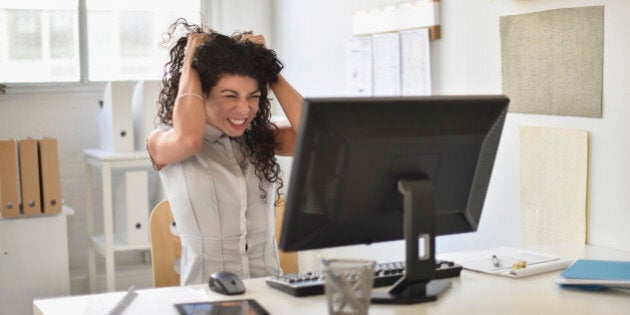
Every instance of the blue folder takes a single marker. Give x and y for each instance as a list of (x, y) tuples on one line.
[(589, 269), (596, 274)]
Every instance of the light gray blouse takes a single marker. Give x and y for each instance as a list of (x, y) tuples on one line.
[(223, 223)]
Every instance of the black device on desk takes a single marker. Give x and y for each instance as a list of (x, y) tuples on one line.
[(386, 168), (246, 306), (385, 274), (226, 282)]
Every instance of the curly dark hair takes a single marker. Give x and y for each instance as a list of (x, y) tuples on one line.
[(217, 56)]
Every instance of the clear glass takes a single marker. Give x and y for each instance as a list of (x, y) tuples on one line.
[(348, 285)]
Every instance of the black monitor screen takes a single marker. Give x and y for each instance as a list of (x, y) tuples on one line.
[(351, 152)]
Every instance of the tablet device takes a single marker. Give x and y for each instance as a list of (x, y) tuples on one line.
[(229, 307)]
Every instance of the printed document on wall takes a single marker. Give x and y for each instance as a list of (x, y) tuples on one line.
[(416, 62), (386, 53), (359, 66)]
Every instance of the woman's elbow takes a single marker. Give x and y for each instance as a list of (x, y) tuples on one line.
[(285, 141)]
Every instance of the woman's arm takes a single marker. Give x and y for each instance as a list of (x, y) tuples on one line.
[(189, 116), (291, 102)]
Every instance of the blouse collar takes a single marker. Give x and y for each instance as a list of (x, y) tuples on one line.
[(213, 134)]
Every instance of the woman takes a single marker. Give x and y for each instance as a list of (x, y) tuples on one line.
[(216, 155)]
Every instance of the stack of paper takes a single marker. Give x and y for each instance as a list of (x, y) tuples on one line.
[(501, 260), (596, 274)]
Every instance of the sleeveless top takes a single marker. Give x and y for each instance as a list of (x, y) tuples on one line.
[(223, 223)]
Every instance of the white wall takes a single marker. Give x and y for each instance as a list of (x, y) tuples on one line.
[(311, 39), (70, 115), (228, 16)]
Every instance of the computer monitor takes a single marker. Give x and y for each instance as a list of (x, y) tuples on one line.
[(387, 168)]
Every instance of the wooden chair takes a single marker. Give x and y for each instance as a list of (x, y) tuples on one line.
[(166, 247), (288, 260)]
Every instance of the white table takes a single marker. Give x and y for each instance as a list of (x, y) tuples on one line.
[(471, 293)]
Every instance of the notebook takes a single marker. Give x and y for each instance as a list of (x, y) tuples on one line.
[(596, 274)]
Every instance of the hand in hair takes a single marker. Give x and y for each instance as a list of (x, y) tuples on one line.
[(194, 40), (256, 39)]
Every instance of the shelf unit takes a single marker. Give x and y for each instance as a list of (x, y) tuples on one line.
[(34, 261), (106, 244)]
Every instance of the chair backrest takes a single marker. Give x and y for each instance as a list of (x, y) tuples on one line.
[(166, 247), (288, 260)]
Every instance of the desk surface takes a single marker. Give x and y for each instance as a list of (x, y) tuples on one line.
[(471, 293)]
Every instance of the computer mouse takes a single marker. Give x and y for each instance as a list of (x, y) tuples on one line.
[(226, 282)]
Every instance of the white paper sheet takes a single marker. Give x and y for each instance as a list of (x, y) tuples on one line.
[(416, 62), (386, 56), (359, 66)]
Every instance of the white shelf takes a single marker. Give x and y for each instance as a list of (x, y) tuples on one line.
[(98, 241), (105, 155), (106, 244), (125, 160)]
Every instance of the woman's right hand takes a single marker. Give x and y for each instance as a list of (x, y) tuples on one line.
[(194, 40), (189, 81)]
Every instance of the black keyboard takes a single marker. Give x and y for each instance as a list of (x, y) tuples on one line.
[(385, 274)]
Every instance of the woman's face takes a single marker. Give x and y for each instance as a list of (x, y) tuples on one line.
[(232, 104)]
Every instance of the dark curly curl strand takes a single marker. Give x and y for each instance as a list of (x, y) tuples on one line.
[(217, 56)]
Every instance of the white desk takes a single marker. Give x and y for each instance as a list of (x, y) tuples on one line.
[(471, 293)]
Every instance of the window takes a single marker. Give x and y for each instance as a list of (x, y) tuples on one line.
[(42, 39), (124, 36)]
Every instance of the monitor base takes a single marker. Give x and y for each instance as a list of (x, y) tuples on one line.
[(433, 289)]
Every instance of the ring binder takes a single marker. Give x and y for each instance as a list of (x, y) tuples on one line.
[(9, 192)]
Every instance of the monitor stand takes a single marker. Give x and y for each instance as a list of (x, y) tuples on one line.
[(417, 285)]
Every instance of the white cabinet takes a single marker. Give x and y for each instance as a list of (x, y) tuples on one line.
[(107, 244), (33, 260)]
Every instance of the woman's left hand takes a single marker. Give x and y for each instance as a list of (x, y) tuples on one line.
[(256, 39)]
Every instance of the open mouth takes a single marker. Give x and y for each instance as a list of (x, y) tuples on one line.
[(237, 122)]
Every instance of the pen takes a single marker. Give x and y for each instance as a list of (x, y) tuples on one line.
[(495, 261), (124, 301)]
